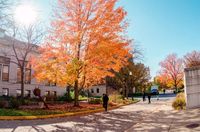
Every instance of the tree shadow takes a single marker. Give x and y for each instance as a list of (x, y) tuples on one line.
[(117, 120)]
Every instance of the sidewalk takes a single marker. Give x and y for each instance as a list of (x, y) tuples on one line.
[(141, 117)]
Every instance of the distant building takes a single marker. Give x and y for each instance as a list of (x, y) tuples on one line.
[(10, 73), (97, 90)]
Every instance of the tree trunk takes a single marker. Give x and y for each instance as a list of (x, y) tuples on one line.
[(22, 83), (76, 93), (175, 85), (45, 104), (124, 92), (176, 88), (68, 92), (127, 92)]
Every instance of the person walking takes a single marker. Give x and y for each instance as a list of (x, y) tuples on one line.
[(164, 91), (157, 95), (144, 94), (149, 97), (105, 101)]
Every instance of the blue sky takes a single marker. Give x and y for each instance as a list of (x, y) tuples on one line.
[(160, 27)]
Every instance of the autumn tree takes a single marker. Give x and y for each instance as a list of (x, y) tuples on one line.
[(192, 59), (163, 81), (172, 70), (138, 78), (86, 43)]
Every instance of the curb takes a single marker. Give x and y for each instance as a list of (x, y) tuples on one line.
[(60, 115)]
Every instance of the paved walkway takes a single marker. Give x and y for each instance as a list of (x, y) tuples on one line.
[(157, 116)]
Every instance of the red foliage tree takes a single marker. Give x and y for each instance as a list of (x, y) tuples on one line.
[(172, 71)]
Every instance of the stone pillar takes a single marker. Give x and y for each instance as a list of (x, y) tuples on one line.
[(192, 87)]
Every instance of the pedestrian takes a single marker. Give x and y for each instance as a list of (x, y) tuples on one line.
[(149, 97), (164, 91), (144, 94), (157, 95), (105, 101)]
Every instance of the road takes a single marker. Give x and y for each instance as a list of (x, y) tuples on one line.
[(157, 116)]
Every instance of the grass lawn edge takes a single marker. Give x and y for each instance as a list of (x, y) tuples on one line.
[(62, 115)]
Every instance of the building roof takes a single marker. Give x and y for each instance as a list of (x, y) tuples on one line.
[(8, 40)]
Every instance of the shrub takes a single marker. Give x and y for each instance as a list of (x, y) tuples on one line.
[(95, 101), (37, 92), (28, 101), (112, 104), (50, 98), (116, 98), (65, 97), (179, 102), (3, 104), (14, 103)]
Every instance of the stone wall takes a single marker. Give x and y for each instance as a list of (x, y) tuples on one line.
[(192, 87)]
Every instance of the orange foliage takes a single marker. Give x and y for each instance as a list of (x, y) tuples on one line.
[(86, 42), (171, 73)]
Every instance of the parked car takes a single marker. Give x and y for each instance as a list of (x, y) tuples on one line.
[(154, 92)]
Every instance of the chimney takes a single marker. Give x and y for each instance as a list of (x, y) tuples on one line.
[(2, 33)]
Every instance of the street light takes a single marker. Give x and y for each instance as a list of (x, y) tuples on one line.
[(130, 74)]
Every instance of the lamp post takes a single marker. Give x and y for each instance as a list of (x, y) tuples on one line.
[(130, 74)]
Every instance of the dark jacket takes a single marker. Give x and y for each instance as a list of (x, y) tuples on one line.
[(105, 99)]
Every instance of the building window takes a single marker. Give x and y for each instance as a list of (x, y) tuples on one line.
[(28, 76), (54, 93), (92, 91), (53, 84), (47, 83), (4, 68), (97, 90), (5, 73), (5, 91), (18, 91), (47, 93), (18, 75), (28, 93), (0, 70), (4, 60)]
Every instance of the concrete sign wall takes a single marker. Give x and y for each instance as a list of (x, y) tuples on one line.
[(192, 87)]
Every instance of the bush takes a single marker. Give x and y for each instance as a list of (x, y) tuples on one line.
[(3, 104), (95, 101), (116, 98), (37, 92), (15, 103), (179, 102), (65, 97), (50, 98)]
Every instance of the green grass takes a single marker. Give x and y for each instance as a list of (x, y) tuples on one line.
[(13, 112)]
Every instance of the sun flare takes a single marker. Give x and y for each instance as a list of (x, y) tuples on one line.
[(25, 15)]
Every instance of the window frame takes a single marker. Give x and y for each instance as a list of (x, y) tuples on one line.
[(29, 93), (18, 94), (7, 91), (97, 90), (7, 73), (92, 90)]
